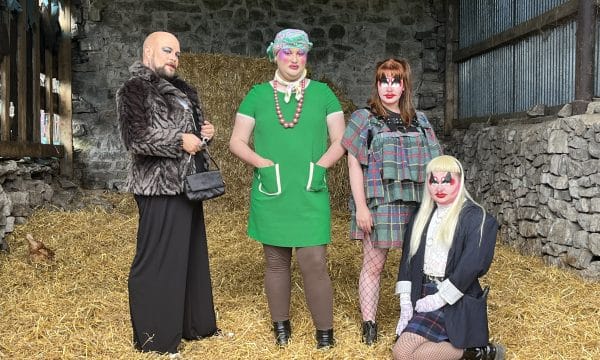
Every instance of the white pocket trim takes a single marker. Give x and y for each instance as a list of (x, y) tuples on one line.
[(311, 172), (278, 183)]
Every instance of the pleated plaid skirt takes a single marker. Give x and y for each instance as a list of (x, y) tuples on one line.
[(389, 224), (429, 325)]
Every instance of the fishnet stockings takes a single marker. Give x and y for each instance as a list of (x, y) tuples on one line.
[(368, 282), (415, 347)]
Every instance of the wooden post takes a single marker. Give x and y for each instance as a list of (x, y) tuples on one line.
[(451, 107), (584, 55), (65, 95), (35, 78), (49, 65), (21, 105), (5, 89)]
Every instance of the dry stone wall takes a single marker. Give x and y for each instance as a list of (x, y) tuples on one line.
[(542, 181)]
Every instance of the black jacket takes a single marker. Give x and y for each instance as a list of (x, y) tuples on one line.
[(468, 260)]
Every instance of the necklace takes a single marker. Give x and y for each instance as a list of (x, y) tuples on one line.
[(282, 120)]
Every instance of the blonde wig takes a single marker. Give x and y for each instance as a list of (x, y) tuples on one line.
[(445, 234)]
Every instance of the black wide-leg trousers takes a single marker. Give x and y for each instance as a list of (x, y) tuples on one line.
[(170, 291)]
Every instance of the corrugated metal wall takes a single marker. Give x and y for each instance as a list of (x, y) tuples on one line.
[(597, 60), (539, 69)]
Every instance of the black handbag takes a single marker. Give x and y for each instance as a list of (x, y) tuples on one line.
[(204, 185)]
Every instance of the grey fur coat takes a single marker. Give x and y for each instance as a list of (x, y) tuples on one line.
[(153, 113)]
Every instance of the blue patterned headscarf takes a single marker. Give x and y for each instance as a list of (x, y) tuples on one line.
[(287, 39)]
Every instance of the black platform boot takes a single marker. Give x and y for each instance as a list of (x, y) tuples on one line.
[(283, 331), (489, 352), (369, 332), (325, 339)]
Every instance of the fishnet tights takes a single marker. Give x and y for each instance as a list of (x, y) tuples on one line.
[(368, 282), (415, 347)]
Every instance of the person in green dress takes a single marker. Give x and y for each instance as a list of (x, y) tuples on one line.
[(291, 119)]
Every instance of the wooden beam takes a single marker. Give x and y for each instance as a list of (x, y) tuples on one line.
[(5, 96), (584, 55), (451, 73), (35, 78), (49, 71), (547, 19), (18, 150), (22, 74), (65, 95)]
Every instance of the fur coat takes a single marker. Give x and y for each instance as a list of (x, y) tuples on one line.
[(153, 113)]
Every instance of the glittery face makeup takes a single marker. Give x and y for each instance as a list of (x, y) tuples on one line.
[(390, 89), (443, 187), (291, 63)]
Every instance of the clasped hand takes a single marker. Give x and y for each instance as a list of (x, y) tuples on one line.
[(430, 303)]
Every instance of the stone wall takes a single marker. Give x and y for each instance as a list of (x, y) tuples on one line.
[(26, 185), (349, 37), (542, 181)]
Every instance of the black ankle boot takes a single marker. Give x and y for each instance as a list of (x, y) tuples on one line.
[(489, 352), (369, 332), (283, 331), (325, 338)]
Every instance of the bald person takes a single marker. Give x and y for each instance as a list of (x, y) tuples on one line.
[(161, 123)]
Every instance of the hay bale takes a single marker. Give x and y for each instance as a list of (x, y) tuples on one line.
[(222, 82)]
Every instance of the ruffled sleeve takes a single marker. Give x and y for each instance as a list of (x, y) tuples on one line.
[(356, 134)]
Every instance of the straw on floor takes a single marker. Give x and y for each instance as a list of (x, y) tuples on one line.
[(76, 307)]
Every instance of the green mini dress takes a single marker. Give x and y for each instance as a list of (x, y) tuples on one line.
[(289, 201)]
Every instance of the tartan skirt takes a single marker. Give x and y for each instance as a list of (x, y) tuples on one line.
[(430, 325), (389, 224)]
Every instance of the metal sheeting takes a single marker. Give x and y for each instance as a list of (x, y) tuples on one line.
[(481, 19), (545, 68), (537, 70), (528, 9), (597, 61), (486, 83)]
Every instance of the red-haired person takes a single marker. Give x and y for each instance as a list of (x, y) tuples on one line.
[(389, 144)]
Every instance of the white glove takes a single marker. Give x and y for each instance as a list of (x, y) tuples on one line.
[(406, 312), (430, 303)]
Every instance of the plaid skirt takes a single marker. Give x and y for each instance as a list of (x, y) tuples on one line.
[(389, 224), (429, 325)]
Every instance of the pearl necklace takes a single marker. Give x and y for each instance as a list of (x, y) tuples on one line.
[(282, 120)]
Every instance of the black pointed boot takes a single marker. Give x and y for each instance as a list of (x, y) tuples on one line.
[(489, 352), (369, 332), (283, 331), (325, 339)]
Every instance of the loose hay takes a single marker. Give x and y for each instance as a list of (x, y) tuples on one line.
[(77, 307)]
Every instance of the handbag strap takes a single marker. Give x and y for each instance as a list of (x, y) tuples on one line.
[(207, 156)]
